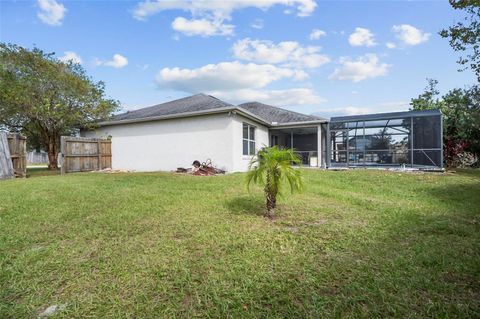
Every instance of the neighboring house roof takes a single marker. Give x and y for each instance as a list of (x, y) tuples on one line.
[(200, 104)]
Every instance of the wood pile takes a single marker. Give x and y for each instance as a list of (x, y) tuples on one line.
[(201, 169)]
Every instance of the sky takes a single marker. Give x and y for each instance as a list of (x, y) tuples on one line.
[(316, 57)]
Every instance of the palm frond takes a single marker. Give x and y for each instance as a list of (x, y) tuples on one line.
[(277, 163)]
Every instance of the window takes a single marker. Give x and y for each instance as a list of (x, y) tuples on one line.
[(248, 139)]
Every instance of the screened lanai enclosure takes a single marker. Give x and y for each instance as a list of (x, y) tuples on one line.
[(304, 140), (411, 139)]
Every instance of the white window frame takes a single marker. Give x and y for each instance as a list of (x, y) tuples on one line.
[(249, 139)]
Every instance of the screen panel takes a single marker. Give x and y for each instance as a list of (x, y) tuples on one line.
[(414, 140)]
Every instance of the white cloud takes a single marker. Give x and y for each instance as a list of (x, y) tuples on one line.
[(70, 56), (257, 24), (361, 37), (225, 76), (143, 67), (390, 45), (317, 34), (287, 53), (202, 27), (208, 16), (51, 12), (394, 106), (410, 35), (353, 110), (367, 66), (219, 8), (287, 97), (118, 61)]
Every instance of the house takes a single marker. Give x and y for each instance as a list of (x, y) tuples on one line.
[(201, 127)]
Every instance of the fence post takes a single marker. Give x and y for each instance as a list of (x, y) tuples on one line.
[(99, 155), (6, 164), (63, 149)]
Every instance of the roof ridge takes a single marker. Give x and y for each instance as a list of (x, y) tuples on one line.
[(176, 100), (203, 103), (282, 109)]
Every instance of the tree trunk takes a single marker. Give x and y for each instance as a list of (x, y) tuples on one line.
[(271, 196), (52, 151), (271, 203)]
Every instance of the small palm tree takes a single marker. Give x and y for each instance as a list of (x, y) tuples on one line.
[(271, 168)]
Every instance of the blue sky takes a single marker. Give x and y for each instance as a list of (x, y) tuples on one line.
[(325, 57)]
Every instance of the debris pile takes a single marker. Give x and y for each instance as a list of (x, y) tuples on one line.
[(113, 171), (201, 169)]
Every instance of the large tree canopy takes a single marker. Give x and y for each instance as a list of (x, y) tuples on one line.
[(465, 36), (45, 98)]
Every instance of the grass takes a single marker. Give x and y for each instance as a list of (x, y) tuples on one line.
[(357, 243), (37, 170)]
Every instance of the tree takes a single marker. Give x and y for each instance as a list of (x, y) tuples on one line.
[(429, 98), (45, 98), (461, 118), (272, 167), (465, 36)]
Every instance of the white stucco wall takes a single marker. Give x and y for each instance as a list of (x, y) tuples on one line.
[(168, 144), (262, 138)]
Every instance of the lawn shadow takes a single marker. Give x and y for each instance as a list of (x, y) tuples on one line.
[(470, 172), (246, 205), (463, 195), (37, 171)]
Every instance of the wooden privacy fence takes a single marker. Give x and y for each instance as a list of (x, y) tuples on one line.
[(18, 152), (81, 154), (13, 155)]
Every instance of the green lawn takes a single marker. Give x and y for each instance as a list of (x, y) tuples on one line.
[(149, 245)]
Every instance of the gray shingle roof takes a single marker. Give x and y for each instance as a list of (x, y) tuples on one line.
[(194, 103), (275, 114), (202, 102)]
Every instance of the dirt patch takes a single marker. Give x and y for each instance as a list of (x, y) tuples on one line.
[(53, 309)]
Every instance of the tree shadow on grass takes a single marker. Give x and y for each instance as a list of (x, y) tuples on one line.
[(463, 195), (36, 171), (470, 172), (246, 205)]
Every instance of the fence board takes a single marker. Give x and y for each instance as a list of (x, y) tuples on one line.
[(18, 152), (6, 166), (81, 154)]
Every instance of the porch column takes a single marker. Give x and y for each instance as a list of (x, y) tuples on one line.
[(319, 146)]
